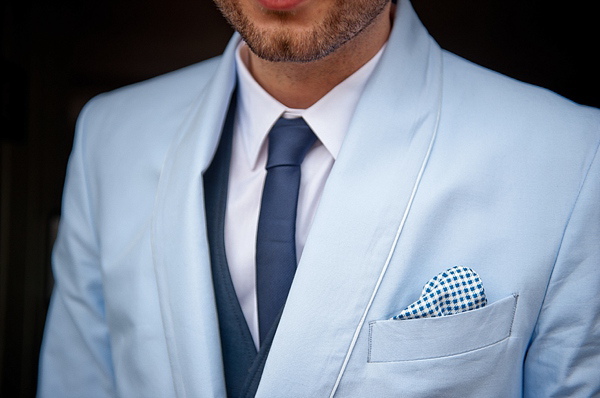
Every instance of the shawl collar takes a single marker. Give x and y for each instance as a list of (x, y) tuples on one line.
[(179, 242), (354, 232), (351, 239)]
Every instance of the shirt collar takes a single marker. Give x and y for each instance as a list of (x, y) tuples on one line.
[(329, 118)]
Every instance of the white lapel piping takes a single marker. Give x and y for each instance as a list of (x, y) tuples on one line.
[(394, 243)]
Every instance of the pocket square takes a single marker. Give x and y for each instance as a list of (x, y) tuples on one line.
[(455, 290)]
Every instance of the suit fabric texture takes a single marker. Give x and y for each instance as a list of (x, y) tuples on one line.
[(445, 163)]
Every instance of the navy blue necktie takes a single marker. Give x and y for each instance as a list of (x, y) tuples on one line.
[(289, 141)]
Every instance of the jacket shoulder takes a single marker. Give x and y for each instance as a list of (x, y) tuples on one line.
[(481, 97), (166, 91), (149, 111)]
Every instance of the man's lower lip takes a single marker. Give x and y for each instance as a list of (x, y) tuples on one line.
[(280, 5)]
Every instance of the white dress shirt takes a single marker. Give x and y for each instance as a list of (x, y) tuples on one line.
[(256, 113)]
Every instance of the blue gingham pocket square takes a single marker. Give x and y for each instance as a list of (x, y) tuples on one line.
[(455, 290)]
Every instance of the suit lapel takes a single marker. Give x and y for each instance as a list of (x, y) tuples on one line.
[(355, 227), (179, 243), (351, 238)]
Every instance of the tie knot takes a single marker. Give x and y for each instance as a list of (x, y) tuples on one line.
[(289, 141)]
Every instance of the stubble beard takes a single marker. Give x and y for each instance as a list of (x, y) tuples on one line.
[(280, 43)]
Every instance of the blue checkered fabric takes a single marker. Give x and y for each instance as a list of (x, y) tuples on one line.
[(455, 290)]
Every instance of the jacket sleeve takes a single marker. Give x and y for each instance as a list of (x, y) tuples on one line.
[(563, 359), (75, 359)]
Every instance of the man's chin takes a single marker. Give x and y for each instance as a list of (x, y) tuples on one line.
[(287, 51), (284, 39)]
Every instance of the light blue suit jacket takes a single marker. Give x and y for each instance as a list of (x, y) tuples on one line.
[(445, 163)]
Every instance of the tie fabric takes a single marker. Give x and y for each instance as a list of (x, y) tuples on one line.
[(289, 141), (453, 291)]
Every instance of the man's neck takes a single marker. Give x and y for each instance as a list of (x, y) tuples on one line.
[(299, 85)]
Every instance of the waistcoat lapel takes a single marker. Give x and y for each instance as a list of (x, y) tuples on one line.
[(242, 364), (236, 341)]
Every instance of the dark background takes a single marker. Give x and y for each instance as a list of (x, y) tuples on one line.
[(58, 54)]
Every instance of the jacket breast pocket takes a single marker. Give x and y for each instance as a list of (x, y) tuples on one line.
[(428, 338)]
